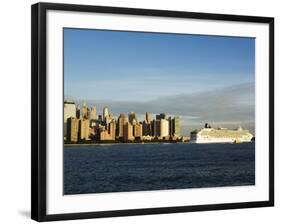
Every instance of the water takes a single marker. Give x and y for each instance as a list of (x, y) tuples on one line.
[(139, 167)]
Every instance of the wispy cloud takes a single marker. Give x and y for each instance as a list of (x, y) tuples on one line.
[(230, 106)]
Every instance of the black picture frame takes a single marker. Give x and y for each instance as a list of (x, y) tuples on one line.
[(38, 108)]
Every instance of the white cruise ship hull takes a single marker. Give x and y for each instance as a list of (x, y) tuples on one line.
[(216, 140), (211, 135)]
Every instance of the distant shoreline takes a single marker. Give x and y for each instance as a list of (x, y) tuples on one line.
[(145, 143), (121, 143)]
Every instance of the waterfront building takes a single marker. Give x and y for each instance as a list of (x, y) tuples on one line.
[(147, 117), (132, 117), (78, 112), (128, 132), (104, 135), (146, 138), (107, 120), (69, 110), (93, 113), (84, 126), (176, 126), (146, 128), (156, 126), (105, 113), (170, 126), (109, 133), (85, 111), (164, 128), (137, 130), (72, 130), (122, 119), (112, 129)]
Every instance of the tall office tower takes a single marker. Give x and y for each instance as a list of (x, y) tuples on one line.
[(121, 122), (164, 128), (112, 129), (84, 129), (93, 113), (146, 129), (137, 130), (128, 132), (88, 113), (85, 111), (78, 112), (109, 133), (72, 129), (105, 113), (147, 117), (69, 110), (156, 126), (132, 117), (176, 126), (160, 116), (171, 126)]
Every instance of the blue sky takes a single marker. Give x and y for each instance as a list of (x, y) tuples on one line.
[(129, 68), (110, 64)]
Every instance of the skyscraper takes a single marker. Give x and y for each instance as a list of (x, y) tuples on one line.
[(146, 128), (112, 129), (160, 116), (137, 130), (109, 133), (78, 112), (132, 117), (69, 110), (93, 113), (84, 129), (156, 126), (105, 113), (120, 126), (176, 125), (128, 132), (164, 128), (84, 109), (147, 117), (174, 129), (72, 129)]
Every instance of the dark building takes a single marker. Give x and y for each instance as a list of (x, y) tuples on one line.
[(72, 129), (146, 128), (132, 117), (122, 119), (160, 116), (156, 127), (174, 126)]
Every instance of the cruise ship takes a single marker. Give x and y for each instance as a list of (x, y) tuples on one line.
[(220, 135)]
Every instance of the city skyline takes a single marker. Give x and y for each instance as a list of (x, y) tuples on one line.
[(133, 71), (85, 125)]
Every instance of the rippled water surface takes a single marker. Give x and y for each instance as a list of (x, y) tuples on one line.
[(139, 167)]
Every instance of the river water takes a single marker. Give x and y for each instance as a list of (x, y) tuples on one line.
[(141, 167)]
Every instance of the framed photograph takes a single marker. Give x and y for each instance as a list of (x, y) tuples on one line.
[(140, 111)]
